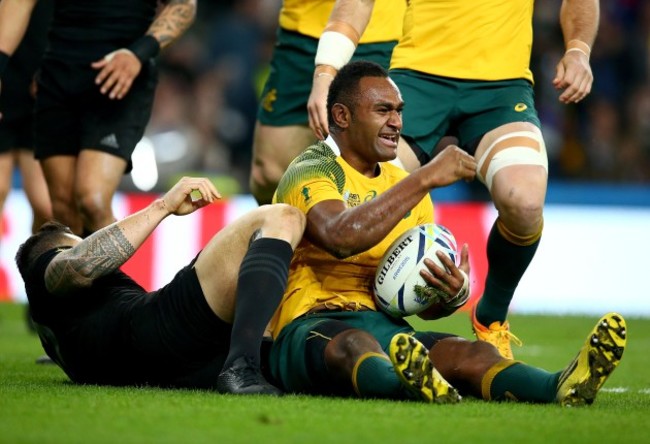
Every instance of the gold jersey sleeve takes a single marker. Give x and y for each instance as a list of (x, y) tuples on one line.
[(484, 40), (315, 276), (309, 17)]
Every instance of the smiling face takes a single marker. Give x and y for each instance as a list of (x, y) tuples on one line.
[(372, 126)]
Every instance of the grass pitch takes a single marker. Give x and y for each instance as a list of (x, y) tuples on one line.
[(39, 405)]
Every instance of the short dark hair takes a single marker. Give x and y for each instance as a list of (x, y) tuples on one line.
[(38, 243), (345, 87)]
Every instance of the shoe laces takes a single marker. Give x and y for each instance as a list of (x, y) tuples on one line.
[(503, 333)]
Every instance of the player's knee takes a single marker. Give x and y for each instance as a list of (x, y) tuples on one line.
[(95, 208), (285, 221), (521, 211), (518, 193), (292, 215), (346, 347)]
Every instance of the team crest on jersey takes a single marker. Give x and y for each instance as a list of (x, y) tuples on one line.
[(520, 107), (268, 99), (305, 194)]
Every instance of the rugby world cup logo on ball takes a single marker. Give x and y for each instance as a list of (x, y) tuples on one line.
[(399, 289)]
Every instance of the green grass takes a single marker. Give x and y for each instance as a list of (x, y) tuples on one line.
[(39, 405)]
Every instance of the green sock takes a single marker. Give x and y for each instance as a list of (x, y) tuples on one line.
[(518, 381), (507, 264), (374, 377)]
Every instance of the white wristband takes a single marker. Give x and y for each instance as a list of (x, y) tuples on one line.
[(334, 49), (577, 50), (463, 295)]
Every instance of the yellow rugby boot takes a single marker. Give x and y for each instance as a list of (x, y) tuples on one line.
[(415, 370), (497, 334), (597, 359)]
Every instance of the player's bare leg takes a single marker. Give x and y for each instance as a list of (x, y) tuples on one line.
[(6, 170), (246, 264), (59, 174), (98, 174), (35, 187), (512, 163)]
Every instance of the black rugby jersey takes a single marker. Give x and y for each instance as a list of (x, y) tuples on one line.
[(83, 31), (62, 322)]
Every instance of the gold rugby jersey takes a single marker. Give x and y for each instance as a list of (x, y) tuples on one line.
[(464, 39), (315, 276), (309, 17)]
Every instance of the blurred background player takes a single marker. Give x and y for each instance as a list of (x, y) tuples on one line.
[(16, 124), (95, 93), (281, 130), (476, 85), (16, 112)]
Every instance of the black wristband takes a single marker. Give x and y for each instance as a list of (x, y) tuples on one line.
[(4, 60), (145, 48)]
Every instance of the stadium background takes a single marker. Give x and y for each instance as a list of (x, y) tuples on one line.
[(592, 255)]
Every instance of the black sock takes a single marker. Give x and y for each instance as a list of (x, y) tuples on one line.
[(260, 287)]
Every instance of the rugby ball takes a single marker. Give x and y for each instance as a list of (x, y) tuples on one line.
[(399, 289)]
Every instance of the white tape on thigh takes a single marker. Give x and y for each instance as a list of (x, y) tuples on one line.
[(512, 155)]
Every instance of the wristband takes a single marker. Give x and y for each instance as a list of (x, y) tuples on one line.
[(334, 49), (145, 48), (325, 70), (579, 46), (4, 60), (463, 295)]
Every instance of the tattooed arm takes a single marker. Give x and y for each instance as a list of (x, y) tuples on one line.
[(106, 250), (172, 21), (118, 69)]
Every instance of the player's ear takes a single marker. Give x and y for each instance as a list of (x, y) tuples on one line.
[(341, 115)]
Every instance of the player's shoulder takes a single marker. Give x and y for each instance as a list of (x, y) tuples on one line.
[(316, 162), (319, 151)]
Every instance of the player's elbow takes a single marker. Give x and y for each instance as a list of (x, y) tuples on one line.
[(185, 10), (339, 245)]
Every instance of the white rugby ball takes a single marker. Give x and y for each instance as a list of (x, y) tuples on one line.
[(398, 288)]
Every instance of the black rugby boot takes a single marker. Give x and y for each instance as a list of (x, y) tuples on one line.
[(244, 377)]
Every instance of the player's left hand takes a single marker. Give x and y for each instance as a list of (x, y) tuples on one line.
[(451, 279), (189, 194), (573, 75), (117, 70), (454, 281)]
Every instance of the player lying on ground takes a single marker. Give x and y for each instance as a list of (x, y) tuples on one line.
[(101, 327)]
